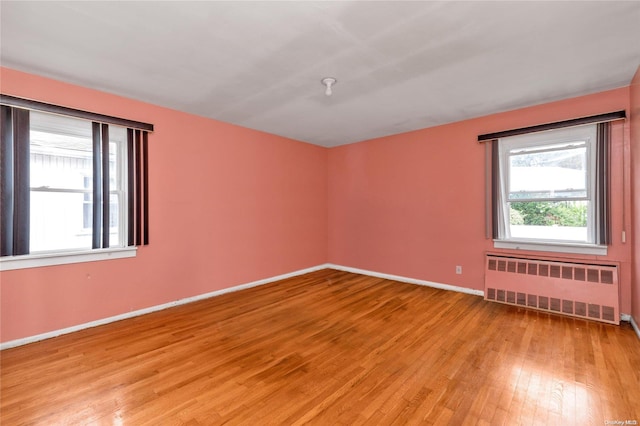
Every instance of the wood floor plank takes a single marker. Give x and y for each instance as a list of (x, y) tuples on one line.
[(329, 347)]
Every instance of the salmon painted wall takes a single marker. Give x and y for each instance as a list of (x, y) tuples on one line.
[(635, 184), (413, 204), (228, 206)]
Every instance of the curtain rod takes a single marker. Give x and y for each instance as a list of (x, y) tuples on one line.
[(14, 101), (600, 118)]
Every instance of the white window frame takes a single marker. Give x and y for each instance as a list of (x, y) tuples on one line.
[(64, 256), (50, 125), (586, 133), (42, 258), (52, 258)]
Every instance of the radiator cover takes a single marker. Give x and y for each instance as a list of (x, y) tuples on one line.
[(581, 290)]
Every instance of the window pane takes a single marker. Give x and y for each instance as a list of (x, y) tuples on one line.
[(562, 221), (550, 173), (547, 186), (114, 221), (58, 221), (61, 174), (61, 152), (117, 143)]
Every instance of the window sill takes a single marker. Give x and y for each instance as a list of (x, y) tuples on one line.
[(573, 248), (38, 260)]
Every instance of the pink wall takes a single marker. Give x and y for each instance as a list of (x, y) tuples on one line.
[(413, 204), (228, 206), (635, 184)]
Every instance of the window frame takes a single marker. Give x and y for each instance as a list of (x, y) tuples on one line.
[(585, 134), (589, 147), (603, 213), (53, 258), (49, 126), (133, 151)]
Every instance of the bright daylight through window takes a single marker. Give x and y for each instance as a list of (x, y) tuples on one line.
[(61, 183), (73, 187), (548, 186)]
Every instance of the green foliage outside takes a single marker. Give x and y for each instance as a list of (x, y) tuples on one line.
[(548, 213), (516, 217)]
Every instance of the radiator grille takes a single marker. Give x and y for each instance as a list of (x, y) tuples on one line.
[(581, 290)]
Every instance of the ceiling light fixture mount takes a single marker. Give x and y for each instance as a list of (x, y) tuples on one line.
[(328, 82)]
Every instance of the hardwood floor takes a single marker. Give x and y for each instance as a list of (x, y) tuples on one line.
[(329, 348)]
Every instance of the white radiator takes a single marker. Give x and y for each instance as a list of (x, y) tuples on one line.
[(580, 290)]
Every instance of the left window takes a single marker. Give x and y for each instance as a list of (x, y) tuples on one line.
[(61, 183), (72, 183)]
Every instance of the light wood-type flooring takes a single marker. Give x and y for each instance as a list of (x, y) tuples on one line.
[(329, 348)]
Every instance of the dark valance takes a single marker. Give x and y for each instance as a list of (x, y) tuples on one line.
[(600, 118), (29, 104)]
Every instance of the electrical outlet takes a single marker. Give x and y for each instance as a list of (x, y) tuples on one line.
[(459, 270)]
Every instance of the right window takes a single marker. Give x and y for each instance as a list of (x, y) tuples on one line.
[(550, 187)]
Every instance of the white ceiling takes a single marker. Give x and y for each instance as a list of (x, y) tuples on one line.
[(400, 65)]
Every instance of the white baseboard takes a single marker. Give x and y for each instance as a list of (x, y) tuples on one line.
[(629, 318), (48, 335), (55, 333), (407, 280)]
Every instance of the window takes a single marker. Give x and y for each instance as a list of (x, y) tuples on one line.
[(72, 182), (548, 186), (61, 183), (547, 191)]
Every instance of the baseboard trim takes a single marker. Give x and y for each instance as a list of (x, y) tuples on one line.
[(629, 318), (407, 280), (55, 333)]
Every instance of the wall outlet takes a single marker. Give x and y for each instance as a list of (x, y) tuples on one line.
[(459, 270)]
